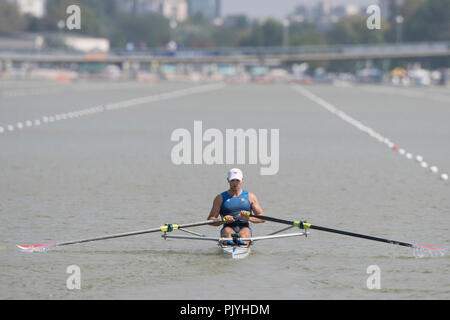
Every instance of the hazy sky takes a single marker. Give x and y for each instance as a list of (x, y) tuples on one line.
[(273, 8)]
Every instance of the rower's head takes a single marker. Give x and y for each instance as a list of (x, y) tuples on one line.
[(235, 177)]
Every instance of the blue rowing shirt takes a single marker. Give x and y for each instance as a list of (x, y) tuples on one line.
[(233, 205)]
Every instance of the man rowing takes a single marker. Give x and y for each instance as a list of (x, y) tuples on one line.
[(234, 205)]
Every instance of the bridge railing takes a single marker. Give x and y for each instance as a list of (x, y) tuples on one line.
[(186, 53)]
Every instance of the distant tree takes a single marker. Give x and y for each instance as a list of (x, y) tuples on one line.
[(305, 34), (149, 28), (225, 36), (197, 18), (105, 11), (429, 22), (269, 33), (102, 8), (231, 33), (253, 37), (405, 10), (193, 33), (11, 20), (408, 8), (272, 33), (353, 30), (239, 21)]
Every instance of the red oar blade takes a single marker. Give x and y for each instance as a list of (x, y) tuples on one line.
[(423, 252), (37, 247)]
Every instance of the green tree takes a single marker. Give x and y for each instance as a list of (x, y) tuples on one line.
[(353, 30), (254, 37), (429, 22), (409, 7), (150, 28), (194, 32), (232, 32), (225, 37), (10, 19), (269, 33), (105, 11), (305, 34), (239, 21), (272, 33)]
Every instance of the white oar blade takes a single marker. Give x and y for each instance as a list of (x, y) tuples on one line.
[(37, 248), (426, 252)]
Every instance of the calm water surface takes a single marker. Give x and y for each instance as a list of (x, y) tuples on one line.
[(112, 172)]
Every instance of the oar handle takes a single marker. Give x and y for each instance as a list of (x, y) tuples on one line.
[(299, 224)]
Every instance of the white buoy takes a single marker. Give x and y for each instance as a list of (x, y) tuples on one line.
[(424, 164), (2, 130), (401, 151), (444, 176), (409, 155), (419, 158), (434, 169)]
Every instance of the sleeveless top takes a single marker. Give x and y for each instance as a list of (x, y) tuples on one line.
[(233, 205)]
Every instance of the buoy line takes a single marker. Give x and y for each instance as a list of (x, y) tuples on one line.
[(372, 133), (81, 87), (109, 107)]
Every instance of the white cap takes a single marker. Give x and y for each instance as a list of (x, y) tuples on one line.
[(235, 173)]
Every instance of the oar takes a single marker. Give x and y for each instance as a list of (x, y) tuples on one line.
[(164, 228), (305, 225)]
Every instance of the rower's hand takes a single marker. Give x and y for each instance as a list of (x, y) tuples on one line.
[(245, 215), (228, 219)]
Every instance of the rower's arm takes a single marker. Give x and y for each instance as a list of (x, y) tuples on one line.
[(256, 208), (215, 210)]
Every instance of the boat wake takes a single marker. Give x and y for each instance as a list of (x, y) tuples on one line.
[(427, 252), (37, 248)]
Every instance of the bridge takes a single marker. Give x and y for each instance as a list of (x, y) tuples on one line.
[(242, 55)]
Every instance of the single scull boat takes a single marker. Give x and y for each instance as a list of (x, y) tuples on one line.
[(232, 247)]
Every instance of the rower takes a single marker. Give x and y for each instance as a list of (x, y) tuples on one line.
[(234, 205)]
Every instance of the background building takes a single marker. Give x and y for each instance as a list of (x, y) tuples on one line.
[(34, 8), (171, 9), (324, 12), (209, 9), (174, 9)]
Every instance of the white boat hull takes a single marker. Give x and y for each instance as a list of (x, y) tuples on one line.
[(236, 252)]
